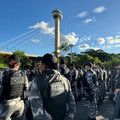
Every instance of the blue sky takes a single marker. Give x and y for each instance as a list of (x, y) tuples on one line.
[(86, 24)]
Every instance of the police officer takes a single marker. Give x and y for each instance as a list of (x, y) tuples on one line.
[(73, 77), (37, 65), (101, 83), (64, 70), (50, 93), (112, 83), (104, 83), (14, 83), (89, 86), (117, 79), (105, 76), (79, 83), (116, 113)]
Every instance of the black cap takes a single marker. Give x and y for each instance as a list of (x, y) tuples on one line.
[(15, 58)]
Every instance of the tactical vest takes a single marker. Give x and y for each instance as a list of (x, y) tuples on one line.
[(13, 84), (54, 96), (89, 75)]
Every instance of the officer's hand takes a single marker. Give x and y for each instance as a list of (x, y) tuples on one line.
[(116, 91)]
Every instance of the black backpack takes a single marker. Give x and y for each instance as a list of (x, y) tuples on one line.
[(54, 95)]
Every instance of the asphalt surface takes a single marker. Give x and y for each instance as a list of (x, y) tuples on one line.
[(105, 112)]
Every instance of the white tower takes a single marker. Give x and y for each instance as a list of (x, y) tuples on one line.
[(57, 15)]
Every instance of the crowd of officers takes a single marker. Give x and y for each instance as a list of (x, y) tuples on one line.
[(54, 90)]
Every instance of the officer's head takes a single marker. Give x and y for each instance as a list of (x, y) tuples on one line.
[(38, 63), (71, 66), (119, 65), (14, 62), (48, 61), (62, 61), (98, 65), (88, 66)]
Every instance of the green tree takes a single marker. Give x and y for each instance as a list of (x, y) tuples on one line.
[(102, 55), (110, 64), (3, 62), (66, 47), (25, 61), (82, 59), (96, 60)]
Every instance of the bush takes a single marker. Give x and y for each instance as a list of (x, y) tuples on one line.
[(3, 65)]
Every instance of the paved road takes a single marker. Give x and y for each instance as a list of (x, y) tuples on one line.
[(106, 110)]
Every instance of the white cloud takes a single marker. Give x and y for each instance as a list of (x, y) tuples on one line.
[(113, 40), (107, 46), (111, 46), (82, 14), (118, 37), (36, 41), (109, 38), (100, 9), (46, 29), (101, 40), (89, 38), (84, 46), (70, 38), (89, 20), (95, 48), (117, 45)]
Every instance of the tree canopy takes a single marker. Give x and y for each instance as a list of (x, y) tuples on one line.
[(25, 61), (94, 56)]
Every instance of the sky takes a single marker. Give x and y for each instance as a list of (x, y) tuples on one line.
[(87, 24)]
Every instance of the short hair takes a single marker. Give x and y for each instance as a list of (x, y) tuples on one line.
[(50, 61), (62, 61), (72, 65), (15, 58), (38, 59), (99, 64), (88, 64)]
